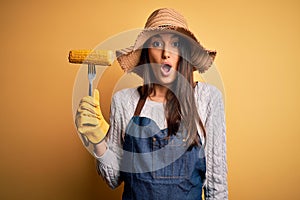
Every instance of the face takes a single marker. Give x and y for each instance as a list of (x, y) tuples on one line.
[(164, 57)]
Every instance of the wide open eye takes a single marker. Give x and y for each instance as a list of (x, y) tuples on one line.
[(157, 44), (175, 44)]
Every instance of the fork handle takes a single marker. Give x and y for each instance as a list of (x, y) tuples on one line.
[(90, 89), (84, 138)]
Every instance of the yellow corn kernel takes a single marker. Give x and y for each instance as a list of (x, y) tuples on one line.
[(97, 57)]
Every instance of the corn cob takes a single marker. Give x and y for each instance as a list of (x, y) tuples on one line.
[(97, 57)]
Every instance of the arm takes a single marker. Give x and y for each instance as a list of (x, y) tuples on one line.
[(216, 184), (108, 153), (91, 124)]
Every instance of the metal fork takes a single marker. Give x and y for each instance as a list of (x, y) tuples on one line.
[(91, 77)]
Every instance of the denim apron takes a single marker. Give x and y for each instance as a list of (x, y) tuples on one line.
[(154, 167)]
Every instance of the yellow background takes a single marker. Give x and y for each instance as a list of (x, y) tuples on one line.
[(258, 48)]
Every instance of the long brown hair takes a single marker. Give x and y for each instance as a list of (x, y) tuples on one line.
[(180, 105)]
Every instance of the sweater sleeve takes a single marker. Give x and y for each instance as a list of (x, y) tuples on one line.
[(216, 187), (108, 165)]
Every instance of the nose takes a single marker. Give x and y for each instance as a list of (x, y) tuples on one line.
[(165, 53)]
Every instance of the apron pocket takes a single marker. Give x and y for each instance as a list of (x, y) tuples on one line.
[(169, 158)]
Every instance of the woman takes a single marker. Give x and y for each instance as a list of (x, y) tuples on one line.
[(167, 137)]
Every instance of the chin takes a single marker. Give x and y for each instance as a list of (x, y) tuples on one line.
[(166, 82)]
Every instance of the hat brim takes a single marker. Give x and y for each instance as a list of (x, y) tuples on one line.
[(201, 59)]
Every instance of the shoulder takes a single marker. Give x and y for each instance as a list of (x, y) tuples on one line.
[(125, 98), (208, 93), (208, 98), (128, 93)]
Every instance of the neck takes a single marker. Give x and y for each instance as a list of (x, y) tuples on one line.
[(159, 93)]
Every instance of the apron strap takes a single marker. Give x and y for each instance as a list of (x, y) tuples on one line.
[(139, 106)]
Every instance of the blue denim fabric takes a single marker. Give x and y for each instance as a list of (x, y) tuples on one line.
[(155, 167)]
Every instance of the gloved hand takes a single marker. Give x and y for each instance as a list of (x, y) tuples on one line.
[(89, 120)]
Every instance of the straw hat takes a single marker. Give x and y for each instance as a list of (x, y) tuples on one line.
[(166, 20)]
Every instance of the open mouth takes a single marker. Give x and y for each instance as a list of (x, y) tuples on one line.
[(166, 68)]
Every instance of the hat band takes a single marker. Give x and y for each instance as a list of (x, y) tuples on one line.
[(165, 25)]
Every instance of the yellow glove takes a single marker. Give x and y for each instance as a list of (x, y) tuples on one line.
[(89, 120)]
